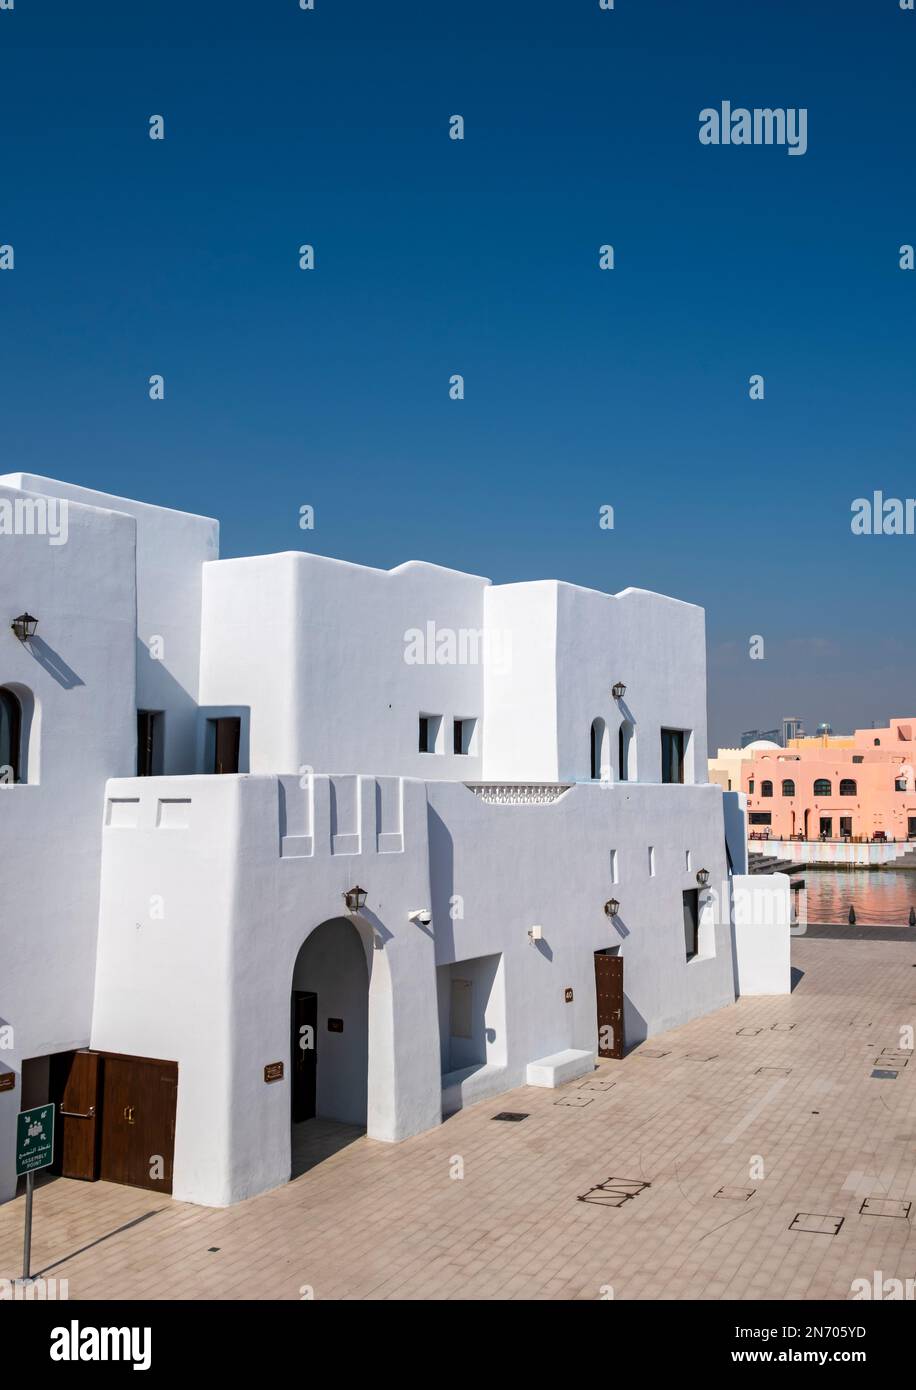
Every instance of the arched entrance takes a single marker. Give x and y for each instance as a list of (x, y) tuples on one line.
[(329, 1063)]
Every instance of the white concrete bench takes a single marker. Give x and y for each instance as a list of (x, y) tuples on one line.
[(560, 1068)]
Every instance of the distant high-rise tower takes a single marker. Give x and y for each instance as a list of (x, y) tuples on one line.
[(792, 728)]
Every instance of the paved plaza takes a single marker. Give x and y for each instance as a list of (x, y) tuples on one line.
[(751, 1154)]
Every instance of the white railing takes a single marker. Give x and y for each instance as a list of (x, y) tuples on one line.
[(519, 793)]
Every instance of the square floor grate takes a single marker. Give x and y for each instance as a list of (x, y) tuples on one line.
[(815, 1224), (749, 1032), (613, 1192), (885, 1206), (596, 1085), (882, 1075), (735, 1194), (511, 1115), (576, 1102)]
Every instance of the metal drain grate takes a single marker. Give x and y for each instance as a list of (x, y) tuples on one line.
[(735, 1194), (815, 1224), (783, 1027), (772, 1071), (597, 1085), (885, 1206), (613, 1192), (510, 1115), (882, 1075), (576, 1102)]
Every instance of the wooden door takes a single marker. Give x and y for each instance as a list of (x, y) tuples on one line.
[(226, 744), (75, 1089), (138, 1122), (609, 996), (304, 1055)]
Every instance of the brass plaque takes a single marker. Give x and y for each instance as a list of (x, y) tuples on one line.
[(7, 1081), (568, 994), (273, 1071)]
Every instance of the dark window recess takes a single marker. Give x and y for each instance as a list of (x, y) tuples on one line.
[(846, 825), (462, 734), (788, 787), (10, 736), (672, 755), (826, 827), (223, 736), (766, 788), (691, 921), (760, 818), (149, 743), (823, 787), (847, 787), (425, 744)]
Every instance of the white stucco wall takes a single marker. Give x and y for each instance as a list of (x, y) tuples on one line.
[(171, 548), (79, 669), (316, 649), (762, 920)]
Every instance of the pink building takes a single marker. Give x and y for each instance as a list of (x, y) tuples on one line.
[(861, 791)]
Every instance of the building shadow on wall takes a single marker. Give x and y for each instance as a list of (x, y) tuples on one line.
[(316, 1140), (442, 879), (635, 1028), (52, 662)]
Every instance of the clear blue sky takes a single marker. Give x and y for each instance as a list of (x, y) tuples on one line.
[(583, 388)]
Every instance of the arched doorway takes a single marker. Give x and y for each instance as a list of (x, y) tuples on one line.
[(329, 1063)]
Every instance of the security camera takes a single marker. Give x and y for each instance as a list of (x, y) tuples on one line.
[(421, 915)]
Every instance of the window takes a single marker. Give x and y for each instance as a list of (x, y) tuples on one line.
[(463, 736), (788, 787), (223, 737), (672, 755), (877, 743), (691, 900), (823, 787), (766, 788), (596, 748), (846, 826), (760, 818), (858, 758), (149, 743), (826, 827), (430, 725), (687, 860), (750, 786), (651, 861), (847, 787), (10, 737), (614, 878)]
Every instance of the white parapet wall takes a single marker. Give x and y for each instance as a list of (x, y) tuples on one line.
[(761, 928)]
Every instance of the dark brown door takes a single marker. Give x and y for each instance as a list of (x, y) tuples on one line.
[(226, 737), (138, 1122), (75, 1089), (304, 1055), (609, 995)]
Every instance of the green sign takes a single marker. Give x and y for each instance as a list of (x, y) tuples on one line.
[(34, 1139)]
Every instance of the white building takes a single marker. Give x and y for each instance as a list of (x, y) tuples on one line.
[(178, 965)]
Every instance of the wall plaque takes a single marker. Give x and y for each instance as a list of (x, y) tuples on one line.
[(7, 1081), (568, 995), (273, 1071), (335, 1025)]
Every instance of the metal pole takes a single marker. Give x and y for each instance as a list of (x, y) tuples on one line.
[(27, 1242)]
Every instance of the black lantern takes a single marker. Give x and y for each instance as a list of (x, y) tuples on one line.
[(702, 877), (612, 907), (619, 690), (355, 898), (24, 626)]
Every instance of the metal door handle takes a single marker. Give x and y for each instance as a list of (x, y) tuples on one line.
[(78, 1114), (129, 1114)]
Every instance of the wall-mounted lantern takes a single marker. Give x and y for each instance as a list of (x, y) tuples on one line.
[(355, 898), (702, 877), (611, 907), (619, 690), (24, 626)]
